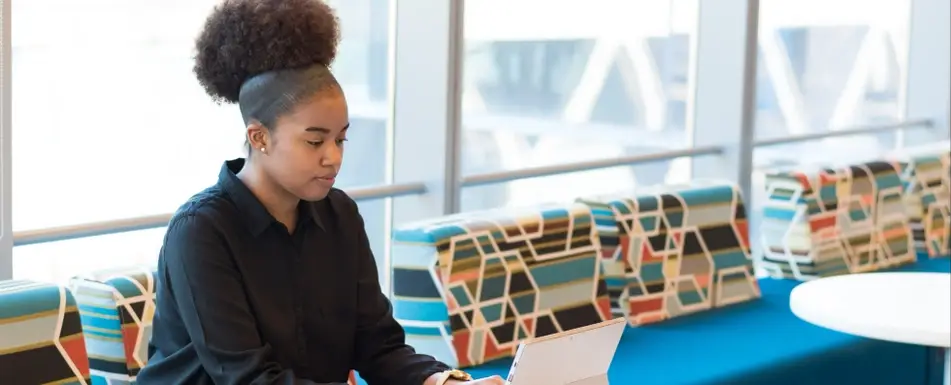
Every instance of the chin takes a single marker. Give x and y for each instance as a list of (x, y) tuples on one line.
[(314, 195)]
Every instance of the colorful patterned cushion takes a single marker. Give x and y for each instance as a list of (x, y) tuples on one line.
[(41, 340), (117, 308), (671, 251), (927, 179), (827, 222), (468, 288)]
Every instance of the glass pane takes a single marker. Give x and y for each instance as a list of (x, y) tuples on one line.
[(60, 261), (107, 109), (568, 187), (576, 83), (827, 65)]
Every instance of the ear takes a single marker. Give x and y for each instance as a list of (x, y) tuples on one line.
[(258, 136)]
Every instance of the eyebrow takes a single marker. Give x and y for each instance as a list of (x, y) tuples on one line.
[(324, 130)]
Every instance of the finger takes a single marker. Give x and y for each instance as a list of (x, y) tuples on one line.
[(494, 380)]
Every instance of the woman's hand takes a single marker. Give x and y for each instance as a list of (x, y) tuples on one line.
[(494, 380)]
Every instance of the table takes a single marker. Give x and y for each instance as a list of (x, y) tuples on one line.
[(913, 308)]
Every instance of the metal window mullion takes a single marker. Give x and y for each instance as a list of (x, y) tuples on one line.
[(721, 106), (426, 77), (6, 148), (426, 104), (927, 88)]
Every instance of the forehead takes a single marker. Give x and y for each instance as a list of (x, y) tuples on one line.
[(326, 110)]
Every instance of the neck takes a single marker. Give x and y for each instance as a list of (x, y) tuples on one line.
[(278, 202)]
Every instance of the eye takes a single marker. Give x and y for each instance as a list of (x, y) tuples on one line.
[(340, 141)]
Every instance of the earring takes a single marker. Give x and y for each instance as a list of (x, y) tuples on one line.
[(263, 150)]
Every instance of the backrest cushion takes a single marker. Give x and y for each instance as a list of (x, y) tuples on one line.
[(117, 308), (927, 179), (470, 287), (824, 222), (41, 340), (674, 250)]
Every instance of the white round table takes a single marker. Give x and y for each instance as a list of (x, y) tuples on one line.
[(913, 308)]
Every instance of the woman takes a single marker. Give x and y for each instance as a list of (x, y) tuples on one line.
[(267, 276)]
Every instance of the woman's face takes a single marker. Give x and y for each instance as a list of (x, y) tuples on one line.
[(304, 150)]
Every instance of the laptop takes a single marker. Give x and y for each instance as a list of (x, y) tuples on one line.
[(576, 357)]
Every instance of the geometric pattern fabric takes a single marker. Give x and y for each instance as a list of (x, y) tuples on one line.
[(117, 307), (928, 197), (41, 340), (828, 222), (675, 251), (468, 288)]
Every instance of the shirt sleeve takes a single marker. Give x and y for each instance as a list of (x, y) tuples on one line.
[(383, 357), (208, 292)]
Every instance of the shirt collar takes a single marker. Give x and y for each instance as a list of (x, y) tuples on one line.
[(252, 210)]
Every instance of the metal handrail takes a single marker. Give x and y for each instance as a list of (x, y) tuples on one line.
[(62, 233), (534, 172), (851, 131)]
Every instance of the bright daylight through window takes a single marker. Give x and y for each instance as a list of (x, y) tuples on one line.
[(106, 86), (111, 125)]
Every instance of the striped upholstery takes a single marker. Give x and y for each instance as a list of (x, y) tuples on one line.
[(835, 221), (469, 288), (672, 251), (116, 308), (928, 197), (41, 340)]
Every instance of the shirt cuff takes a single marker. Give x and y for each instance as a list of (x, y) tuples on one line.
[(436, 367)]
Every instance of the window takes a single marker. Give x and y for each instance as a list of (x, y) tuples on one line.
[(62, 260), (105, 87), (101, 83), (830, 65), (601, 81), (826, 66)]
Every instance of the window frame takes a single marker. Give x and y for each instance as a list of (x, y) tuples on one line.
[(424, 96)]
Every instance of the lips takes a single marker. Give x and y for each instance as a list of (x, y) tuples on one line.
[(327, 181)]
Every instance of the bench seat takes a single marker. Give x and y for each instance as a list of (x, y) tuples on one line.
[(760, 342)]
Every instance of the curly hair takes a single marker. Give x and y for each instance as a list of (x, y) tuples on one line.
[(245, 38)]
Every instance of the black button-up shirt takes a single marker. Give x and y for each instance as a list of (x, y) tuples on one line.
[(240, 300)]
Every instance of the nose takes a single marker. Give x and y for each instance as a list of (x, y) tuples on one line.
[(332, 157)]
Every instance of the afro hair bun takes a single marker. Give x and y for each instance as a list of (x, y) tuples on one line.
[(243, 38)]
